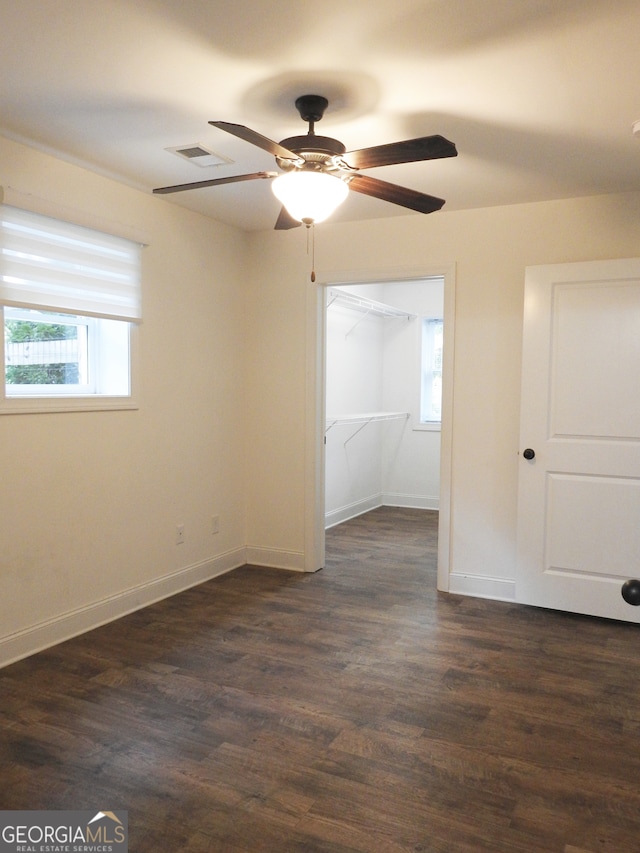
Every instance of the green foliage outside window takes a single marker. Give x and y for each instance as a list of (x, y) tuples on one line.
[(24, 331), (21, 331)]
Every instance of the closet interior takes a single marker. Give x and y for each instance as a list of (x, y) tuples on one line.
[(377, 451)]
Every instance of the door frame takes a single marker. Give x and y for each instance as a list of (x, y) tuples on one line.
[(315, 409)]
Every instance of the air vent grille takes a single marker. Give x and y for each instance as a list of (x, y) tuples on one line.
[(197, 154), (195, 151)]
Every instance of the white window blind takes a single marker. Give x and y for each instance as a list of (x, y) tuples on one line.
[(49, 264)]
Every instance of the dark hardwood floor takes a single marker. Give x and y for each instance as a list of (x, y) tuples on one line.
[(352, 710)]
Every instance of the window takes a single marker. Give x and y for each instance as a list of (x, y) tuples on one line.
[(49, 354), (70, 302), (431, 372)]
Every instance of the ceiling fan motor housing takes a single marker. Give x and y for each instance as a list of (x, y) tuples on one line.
[(318, 152), (315, 150)]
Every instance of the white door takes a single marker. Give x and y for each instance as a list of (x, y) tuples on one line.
[(579, 496)]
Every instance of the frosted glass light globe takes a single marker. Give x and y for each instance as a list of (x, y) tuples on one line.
[(310, 196)]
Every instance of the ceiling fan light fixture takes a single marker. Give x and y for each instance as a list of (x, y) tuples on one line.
[(310, 196)]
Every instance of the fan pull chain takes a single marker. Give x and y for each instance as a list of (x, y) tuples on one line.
[(310, 228)]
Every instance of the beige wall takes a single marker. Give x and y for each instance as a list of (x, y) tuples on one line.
[(89, 501), (490, 249), (275, 453)]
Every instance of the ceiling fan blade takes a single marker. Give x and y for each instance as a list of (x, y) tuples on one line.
[(232, 179), (258, 139), (395, 194), (286, 221), (409, 151)]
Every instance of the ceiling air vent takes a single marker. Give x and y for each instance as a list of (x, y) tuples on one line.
[(199, 155)]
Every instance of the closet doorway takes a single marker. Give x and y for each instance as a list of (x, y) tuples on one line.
[(387, 394)]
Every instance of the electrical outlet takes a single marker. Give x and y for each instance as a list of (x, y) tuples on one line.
[(215, 524), (180, 534)]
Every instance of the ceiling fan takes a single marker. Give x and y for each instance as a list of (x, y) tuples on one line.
[(317, 171)]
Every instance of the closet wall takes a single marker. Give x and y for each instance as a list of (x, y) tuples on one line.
[(374, 453)]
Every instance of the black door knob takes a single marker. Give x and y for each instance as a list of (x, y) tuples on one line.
[(529, 453), (631, 592)]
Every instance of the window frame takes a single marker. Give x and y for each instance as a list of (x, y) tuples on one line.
[(65, 401), (418, 423)]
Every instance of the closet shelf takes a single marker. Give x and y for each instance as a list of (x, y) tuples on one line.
[(368, 306), (362, 420)]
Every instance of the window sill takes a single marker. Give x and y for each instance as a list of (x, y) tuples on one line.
[(436, 426), (42, 405)]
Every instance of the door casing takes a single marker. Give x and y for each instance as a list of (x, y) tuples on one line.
[(315, 406)]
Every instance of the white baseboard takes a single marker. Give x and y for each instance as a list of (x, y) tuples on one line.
[(353, 510), (411, 501), (46, 634), (345, 513), (274, 558), (478, 586)]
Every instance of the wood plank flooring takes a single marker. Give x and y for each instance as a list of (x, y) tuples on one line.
[(351, 711)]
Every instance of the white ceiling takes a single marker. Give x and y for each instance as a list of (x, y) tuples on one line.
[(538, 95)]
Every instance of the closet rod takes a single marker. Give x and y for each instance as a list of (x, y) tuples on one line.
[(370, 306), (363, 420)]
